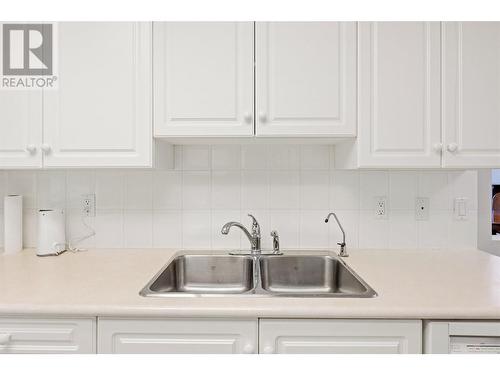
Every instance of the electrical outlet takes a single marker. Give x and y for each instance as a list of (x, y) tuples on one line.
[(381, 207), (88, 205), (422, 208)]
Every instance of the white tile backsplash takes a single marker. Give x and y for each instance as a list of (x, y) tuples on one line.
[(434, 185), (226, 190), (51, 189), (314, 189), (196, 158), (196, 190), (283, 157), (290, 188), (138, 190), (284, 190), (109, 229), (138, 228), (254, 157), (372, 184), (402, 190), (167, 190), (225, 157), (315, 157), (78, 183), (23, 183), (167, 229), (109, 187), (254, 190)]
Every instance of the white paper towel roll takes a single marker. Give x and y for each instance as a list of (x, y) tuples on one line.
[(13, 224)]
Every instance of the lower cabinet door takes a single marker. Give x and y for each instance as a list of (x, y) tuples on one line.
[(50, 336), (177, 336), (332, 336)]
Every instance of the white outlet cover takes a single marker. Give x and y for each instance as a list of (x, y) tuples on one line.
[(422, 208), (88, 205), (380, 207)]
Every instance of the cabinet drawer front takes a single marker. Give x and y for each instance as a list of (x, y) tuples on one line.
[(177, 336), (47, 335), (327, 336)]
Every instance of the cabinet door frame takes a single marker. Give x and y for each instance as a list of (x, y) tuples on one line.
[(49, 335), (453, 105), (241, 125), (267, 124), (140, 155), (342, 335), (370, 154), (216, 335), (21, 157)]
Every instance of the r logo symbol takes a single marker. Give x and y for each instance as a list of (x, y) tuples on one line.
[(27, 49)]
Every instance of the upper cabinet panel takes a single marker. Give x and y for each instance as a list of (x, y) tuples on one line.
[(399, 94), (305, 79), (100, 116), (20, 129), (203, 78), (471, 94), (20, 124)]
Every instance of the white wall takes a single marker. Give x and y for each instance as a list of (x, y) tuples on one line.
[(288, 188)]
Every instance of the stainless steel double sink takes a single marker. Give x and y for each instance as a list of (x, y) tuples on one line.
[(291, 275)]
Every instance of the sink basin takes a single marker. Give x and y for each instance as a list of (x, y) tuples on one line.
[(320, 274), (203, 274), (311, 275)]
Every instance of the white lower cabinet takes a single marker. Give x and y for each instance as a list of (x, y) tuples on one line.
[(50, 336), (332, 336), (177, 336)]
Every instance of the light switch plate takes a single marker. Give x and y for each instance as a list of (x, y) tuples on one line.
[(460, 209), (422, 208)]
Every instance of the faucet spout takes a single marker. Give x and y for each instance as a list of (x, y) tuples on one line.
[(253, 237), (227, 227), (343, 252)]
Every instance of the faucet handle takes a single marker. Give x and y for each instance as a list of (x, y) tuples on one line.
[(255, 225), (276, 241)]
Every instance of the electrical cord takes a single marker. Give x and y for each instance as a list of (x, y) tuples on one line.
[(75, 241)]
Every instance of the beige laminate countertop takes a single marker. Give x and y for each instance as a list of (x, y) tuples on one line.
[(410, 284)]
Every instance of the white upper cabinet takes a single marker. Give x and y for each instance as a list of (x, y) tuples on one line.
[(471, 94), (399, 94), (101, 114), (20, 129), (305, 79), (203, 79)]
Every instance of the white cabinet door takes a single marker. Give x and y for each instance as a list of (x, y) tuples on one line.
[(328, 336), (399, 94), (49, 336), (101, 114), (177, 336), (471, 94), (305, 79), (203, 79), (20, 129)]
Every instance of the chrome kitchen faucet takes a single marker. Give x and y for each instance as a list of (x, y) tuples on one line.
[(253, 237), (343, 251)]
